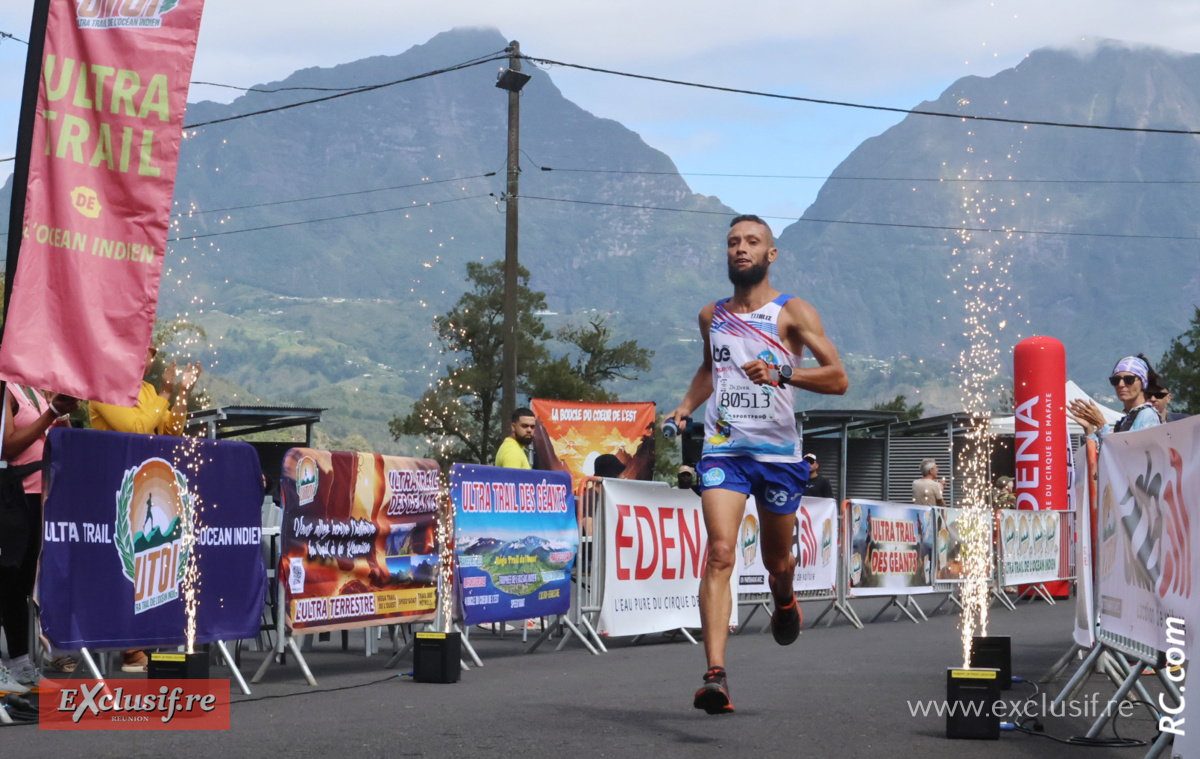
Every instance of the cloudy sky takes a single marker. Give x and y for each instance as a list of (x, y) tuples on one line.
[(886, 52)]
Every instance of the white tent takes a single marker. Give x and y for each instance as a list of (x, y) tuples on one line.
[(1007, 425)]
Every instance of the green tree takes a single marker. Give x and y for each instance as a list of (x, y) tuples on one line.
[(1180, 368), (900, 403), (461, 411), (596, 363)]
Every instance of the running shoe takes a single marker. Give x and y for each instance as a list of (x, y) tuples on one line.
[(786, 622), (713, 697), (25, 673), (9, 684)]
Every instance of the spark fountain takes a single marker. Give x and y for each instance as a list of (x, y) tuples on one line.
[(982, 267)]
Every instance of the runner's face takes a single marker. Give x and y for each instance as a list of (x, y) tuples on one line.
[(750, 253)]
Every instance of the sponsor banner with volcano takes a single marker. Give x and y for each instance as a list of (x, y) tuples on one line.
[(359, 539), (814, 544), (133, 521), (1148, 489), (1033, 545), (516, 537), (570, 435), (890, 548)]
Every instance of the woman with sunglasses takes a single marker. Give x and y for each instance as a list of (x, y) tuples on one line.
[(1130, 378)]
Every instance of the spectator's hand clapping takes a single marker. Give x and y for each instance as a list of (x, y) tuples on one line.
[(1087, 414), (191, 373), (63, 404)]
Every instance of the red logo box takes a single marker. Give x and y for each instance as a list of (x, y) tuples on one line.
[(134, 704)]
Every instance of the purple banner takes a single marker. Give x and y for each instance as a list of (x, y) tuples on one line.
[(114, 557)]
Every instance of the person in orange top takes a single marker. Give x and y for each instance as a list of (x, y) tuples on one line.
[(157, 412)]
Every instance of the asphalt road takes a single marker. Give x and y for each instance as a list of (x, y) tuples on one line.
[(837, 692)]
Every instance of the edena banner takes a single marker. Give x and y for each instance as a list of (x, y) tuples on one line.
[(655, 546)]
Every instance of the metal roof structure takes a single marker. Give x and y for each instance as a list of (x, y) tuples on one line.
[(234, 421)]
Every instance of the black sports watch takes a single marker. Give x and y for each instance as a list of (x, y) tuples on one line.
[(785, 374)]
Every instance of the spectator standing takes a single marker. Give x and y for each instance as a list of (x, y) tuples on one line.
[(1130, 378), (28, 415), (927, 490), (511, 453), (818, 485)]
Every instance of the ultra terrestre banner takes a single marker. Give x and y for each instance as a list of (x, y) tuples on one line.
[(359, 539)]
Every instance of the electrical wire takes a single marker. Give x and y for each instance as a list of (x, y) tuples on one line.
[(489, 56), (368, 88), (7, 36), (895, 225), (191, 213), (864, 106), (989, 180), (185, 238), (276, 696)]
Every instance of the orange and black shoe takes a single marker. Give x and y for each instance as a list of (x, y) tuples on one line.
[(713, 698), (786, 622)]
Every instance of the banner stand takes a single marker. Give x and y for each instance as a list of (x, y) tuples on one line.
[(755, 602), (564, 620), (1037, 589), (903, 607), (283, 641)]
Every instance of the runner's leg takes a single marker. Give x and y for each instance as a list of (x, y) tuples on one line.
[(778, 532), (723, 512)]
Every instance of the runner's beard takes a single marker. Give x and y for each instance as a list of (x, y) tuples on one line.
[(748, 277)]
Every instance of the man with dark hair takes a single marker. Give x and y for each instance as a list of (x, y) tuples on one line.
[(753, 345), (818, 485), (511, 453)]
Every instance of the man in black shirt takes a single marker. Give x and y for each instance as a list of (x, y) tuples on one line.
[(818, 486)]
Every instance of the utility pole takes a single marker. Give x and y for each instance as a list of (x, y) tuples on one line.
[(511, 80)]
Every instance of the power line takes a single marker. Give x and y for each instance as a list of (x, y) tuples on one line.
[(870, 223), (368, 88), (7, 36), (327, 218), (1003, 180), (843, 104), (337, 195)]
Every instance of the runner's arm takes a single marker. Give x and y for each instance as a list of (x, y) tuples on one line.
[(702, 385), (805, 329)]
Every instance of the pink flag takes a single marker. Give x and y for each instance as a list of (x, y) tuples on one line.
[(102, 172)]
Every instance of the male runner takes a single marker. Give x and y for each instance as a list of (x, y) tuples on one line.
[(752, 352)]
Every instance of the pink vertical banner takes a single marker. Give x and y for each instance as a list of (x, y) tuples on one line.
[(106, 140)]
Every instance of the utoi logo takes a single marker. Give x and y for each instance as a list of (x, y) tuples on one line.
[(109, 14), (149, 531)]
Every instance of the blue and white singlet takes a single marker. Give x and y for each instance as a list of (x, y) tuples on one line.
[(742, 418)]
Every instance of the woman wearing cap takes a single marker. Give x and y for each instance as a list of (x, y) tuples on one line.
[(1130, 378)]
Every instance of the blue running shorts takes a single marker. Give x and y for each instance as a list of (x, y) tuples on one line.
[(776, 486)]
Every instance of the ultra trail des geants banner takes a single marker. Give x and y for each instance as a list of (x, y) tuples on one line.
[(359, 539), (106, 136), (890, 548), (516, 537)]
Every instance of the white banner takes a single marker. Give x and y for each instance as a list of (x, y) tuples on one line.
[(1033, 545), (1149, 480), (1085, 587), (654, 550), (890, 548), (814, 544), (947, 545)]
